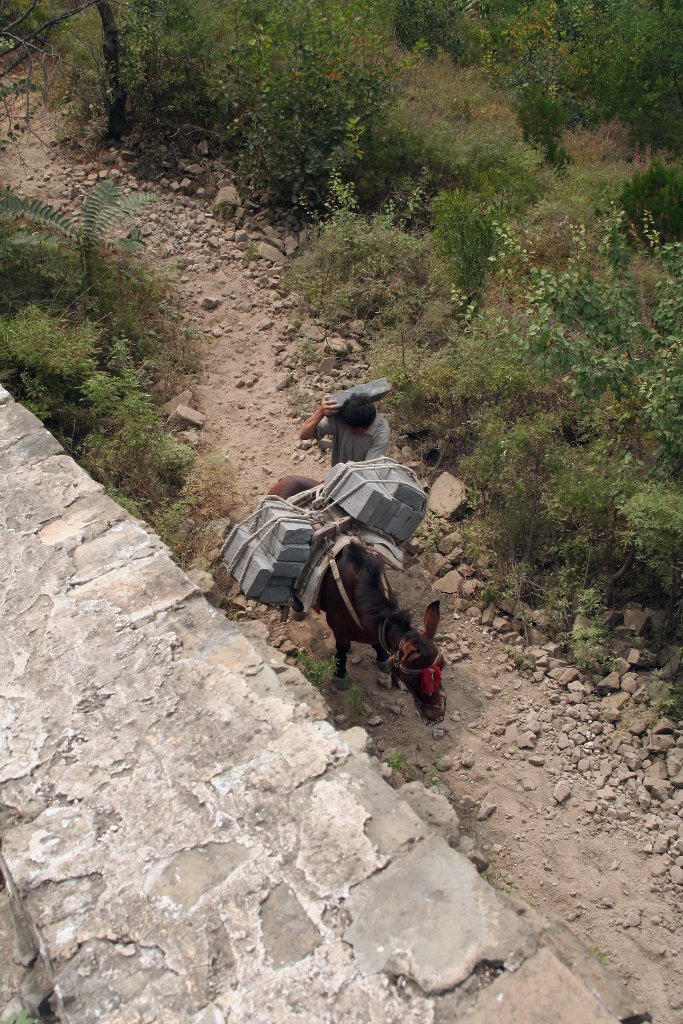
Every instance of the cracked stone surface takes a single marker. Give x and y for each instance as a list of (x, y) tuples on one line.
[(184, 838)]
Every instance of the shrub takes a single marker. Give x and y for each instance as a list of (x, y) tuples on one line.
[(311, 81), (653, 199), (363, 268), (466, 238), (431, 25), (450, 128), (543, 119)]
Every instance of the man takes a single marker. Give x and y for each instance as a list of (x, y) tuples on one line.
[(358, 432)]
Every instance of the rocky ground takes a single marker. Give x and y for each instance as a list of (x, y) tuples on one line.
[(571, 786)]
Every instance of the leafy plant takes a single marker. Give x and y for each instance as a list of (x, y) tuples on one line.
[(653, 200), (106, 205), (465, 236), (397, 762), (23, 1017), (312, 80), (543, 119), (316, 670), (354, 700)]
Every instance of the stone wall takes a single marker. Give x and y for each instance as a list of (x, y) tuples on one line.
[(185, 838)]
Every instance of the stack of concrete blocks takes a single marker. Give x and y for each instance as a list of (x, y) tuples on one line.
[(380, 494), (268, 551)]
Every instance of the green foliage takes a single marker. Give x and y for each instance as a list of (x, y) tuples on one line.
[(86, 361), (427, 26), (312, 78), (316, 670), (397, 762), (653, 200), (451, 128), (466, 238), (105, 206), (366, 267), (354, 700), (18, 1018), (588, 640), (593, 329), (543, 120), (654, 523), (671, 703)]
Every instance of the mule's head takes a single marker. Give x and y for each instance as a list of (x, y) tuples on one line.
[(418, 663)]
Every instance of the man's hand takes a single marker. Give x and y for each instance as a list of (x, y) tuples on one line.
[(326, 408)]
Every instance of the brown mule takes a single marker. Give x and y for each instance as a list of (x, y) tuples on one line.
[(360, 607)]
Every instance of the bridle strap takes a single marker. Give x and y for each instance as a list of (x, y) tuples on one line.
[(342, 591)]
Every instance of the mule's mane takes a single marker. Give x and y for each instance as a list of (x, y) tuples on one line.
[(369, 591)]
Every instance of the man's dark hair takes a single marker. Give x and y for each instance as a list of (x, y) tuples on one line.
[(358, 411)]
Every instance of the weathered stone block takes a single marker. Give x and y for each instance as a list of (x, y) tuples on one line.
[(447, 496), (447, 921)]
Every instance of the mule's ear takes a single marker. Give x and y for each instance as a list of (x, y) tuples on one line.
[(431, 619)]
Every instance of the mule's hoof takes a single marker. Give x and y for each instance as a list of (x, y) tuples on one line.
[(298, 616), (384, 666), (341, 682)]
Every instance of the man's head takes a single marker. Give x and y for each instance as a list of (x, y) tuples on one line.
[(358, 412)]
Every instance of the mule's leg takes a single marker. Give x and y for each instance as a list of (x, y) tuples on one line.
[(382, 658), (340, 655), (383, 666)]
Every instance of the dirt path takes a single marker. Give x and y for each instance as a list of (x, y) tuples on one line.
[(553, 781)]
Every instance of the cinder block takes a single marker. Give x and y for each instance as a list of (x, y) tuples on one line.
[(288, 552), (407, 494), (276, 593), (289, 570), (235, 539), (287, 528), (374, 389), (253, 571)]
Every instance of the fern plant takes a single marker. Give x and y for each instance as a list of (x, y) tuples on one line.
[(105, 207)]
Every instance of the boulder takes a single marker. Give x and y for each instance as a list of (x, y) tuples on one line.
[(447, 496), (184, 398), (227, 199), (189, 417), (450, 583), (434, 809), (206, 584), (268, 252)]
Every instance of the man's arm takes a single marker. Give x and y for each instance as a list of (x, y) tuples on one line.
[(310, 426), (380, 443)]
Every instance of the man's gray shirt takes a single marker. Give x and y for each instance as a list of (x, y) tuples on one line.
[(350, 447)]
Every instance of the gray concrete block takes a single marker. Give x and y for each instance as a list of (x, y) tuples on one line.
[(374, 389), (234, 541), (253, 571), (287, 527), (276, 593), (288, 570), (286, 552), (408, 493)]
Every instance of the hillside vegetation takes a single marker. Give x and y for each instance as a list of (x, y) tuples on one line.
[(494, 188)]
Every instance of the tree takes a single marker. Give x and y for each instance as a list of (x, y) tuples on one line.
[(26, 29)]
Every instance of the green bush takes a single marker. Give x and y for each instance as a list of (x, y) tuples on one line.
[(364, 268), (431, 25), (465, 236), (311, 81), (543, 119), (653, 200), (591, 326)]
